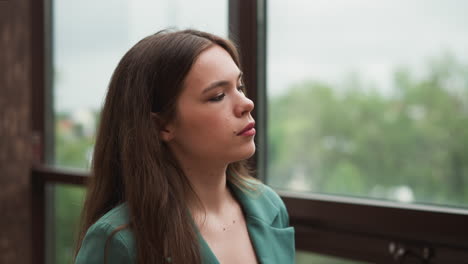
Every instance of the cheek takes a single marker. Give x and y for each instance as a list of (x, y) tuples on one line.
[(212, 134), (205, 126)]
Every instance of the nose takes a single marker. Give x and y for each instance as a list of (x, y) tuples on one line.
[(245, 106)]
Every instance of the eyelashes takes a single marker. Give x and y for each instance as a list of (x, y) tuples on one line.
[(217, 98), (221, 96)]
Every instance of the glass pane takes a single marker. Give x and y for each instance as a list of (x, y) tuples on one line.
[(303, 257), (68, 203), (89, 38), (369, 98)]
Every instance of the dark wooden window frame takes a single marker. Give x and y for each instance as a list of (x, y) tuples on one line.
[(359, 229)]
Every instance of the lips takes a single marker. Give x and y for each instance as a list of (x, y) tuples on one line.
[(248, 130)]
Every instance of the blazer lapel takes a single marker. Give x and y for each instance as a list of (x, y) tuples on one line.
[(208, 257), (273, 243)]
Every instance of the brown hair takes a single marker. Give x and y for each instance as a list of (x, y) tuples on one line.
[(132, 164)]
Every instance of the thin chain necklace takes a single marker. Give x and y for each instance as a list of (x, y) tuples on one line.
[(228, 226)]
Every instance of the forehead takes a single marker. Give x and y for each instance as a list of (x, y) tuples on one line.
[(213, 64)]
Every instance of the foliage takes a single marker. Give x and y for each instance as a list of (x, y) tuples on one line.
[(307, 258), (68, 204), (357, 140), (73, 147)]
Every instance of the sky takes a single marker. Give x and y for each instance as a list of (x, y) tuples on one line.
[(323, 40), (90, 37), (328, 40)]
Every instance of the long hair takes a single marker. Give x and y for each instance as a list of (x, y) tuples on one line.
[(132, 164)]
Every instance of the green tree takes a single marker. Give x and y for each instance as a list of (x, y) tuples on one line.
[(356, 140)]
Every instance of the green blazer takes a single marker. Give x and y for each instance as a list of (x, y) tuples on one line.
[(267, 223)]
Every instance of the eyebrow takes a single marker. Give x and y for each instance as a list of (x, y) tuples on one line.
[(219, 83)]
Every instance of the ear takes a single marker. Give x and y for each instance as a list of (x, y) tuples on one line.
[(166, 130)]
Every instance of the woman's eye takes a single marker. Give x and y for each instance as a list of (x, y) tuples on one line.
[(241, 88), (217, 98)]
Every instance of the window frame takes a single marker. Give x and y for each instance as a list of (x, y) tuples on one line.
[(352, 228)]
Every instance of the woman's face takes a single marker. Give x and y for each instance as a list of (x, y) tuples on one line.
[(213, 115)]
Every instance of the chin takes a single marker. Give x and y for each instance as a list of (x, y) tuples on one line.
[(247, 153)]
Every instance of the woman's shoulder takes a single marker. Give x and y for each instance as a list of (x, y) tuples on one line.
[(262, 202), (108, 237), (265, 192), (276, 200), (271, 194), (115, 217)]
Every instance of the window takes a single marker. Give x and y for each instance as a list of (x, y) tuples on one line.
[(369, 99), (346, 197), (366, 108)]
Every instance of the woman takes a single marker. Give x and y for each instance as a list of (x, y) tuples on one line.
[(170, 183)]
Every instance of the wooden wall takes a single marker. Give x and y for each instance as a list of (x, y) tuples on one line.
[(15, 127)]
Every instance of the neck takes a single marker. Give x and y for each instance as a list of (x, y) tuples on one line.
[(210, 185)]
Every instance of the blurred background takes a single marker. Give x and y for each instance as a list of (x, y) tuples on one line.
[(364, 99)]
